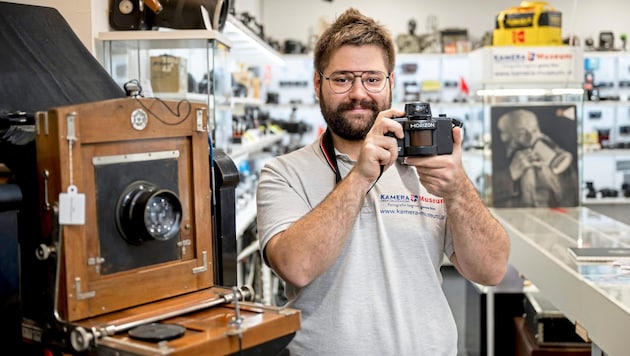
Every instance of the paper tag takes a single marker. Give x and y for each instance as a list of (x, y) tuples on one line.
[(72, 207)]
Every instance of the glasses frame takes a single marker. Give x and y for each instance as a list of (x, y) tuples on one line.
[(360, 76)]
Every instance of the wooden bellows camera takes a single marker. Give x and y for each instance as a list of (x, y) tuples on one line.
[(125, 192)]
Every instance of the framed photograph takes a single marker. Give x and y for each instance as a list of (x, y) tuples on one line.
[(534, 156)]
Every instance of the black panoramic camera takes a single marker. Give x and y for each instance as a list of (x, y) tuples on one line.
[(425, 135)]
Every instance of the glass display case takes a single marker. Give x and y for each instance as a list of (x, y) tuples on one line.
[(531, 94), (595, 296), (174, 65)]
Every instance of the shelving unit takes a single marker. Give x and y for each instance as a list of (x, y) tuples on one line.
[(247, 46)]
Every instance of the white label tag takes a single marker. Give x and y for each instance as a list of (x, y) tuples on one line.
[(72, 207)]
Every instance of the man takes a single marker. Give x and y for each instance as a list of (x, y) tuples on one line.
[(358, 237)]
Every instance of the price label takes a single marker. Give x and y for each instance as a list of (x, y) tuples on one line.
[(72, 207)]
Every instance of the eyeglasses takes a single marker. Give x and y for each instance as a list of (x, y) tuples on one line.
[(341, 82)]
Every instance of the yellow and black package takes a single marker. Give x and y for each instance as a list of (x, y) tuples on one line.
[(533, 23)]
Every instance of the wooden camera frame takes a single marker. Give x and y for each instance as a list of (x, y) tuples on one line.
[(97, 304), (69, 140)]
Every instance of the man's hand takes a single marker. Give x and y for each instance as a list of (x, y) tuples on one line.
[(442, 175), (378, 149)]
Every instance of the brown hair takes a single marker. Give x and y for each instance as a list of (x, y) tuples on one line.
[(353, 28)]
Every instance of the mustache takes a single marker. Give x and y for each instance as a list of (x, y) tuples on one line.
[(363, 104)]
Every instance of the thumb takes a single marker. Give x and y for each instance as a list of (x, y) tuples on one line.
[(458, 137)]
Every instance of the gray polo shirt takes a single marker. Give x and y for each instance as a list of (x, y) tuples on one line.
[(383, 295)]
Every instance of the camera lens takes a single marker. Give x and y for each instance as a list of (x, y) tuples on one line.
[(145, 213), (421, 138), (162, 215)]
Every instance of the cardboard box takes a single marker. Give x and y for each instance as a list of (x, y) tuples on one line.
[(169, 74), (533, 23)]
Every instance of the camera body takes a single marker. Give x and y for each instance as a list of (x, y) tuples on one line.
[(425, 135)]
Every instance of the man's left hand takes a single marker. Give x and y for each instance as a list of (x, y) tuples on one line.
[(442, 175)]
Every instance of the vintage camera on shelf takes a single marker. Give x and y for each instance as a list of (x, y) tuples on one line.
[(425, 135), (182, 14)]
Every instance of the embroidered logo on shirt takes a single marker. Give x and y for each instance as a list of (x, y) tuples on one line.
[(399, 198), (412, 204)]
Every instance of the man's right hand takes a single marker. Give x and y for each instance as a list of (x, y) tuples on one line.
[(379, 149)]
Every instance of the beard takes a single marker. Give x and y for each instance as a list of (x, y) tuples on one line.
[(351, 128)]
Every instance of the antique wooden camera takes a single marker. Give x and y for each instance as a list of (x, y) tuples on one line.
[(127, 238)]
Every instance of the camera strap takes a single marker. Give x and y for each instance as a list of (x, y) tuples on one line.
[(328, 149)]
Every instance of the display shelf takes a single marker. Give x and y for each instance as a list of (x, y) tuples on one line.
[(256, 145), (605, 169), (245, 216), (246, 101), (247, 46), (193, 97), (164, 38), (606, 201)]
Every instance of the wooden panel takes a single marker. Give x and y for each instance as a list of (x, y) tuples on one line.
[(105, 129), (208, 331)]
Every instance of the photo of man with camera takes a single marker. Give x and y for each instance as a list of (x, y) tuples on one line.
[(358, 233), (533, 159)]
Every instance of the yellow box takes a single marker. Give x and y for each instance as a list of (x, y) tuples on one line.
[(533, 23)]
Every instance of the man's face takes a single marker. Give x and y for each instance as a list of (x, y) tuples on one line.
[(526, 130), (518, 131), (523, 137), (351, 115)]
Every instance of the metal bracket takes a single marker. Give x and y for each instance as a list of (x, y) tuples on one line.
[(45, 176), (199, 120), (236, 324), (39, 116), (70, 120), (183, 244), (77, 290), (96, 262), (204, 266)]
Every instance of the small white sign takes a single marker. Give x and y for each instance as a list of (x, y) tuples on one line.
[(72, 207)]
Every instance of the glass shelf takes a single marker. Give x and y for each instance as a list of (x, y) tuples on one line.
[(174, 65), (247, 46)]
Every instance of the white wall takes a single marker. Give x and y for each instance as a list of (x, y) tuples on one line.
[(298, 19), (78, 14)]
